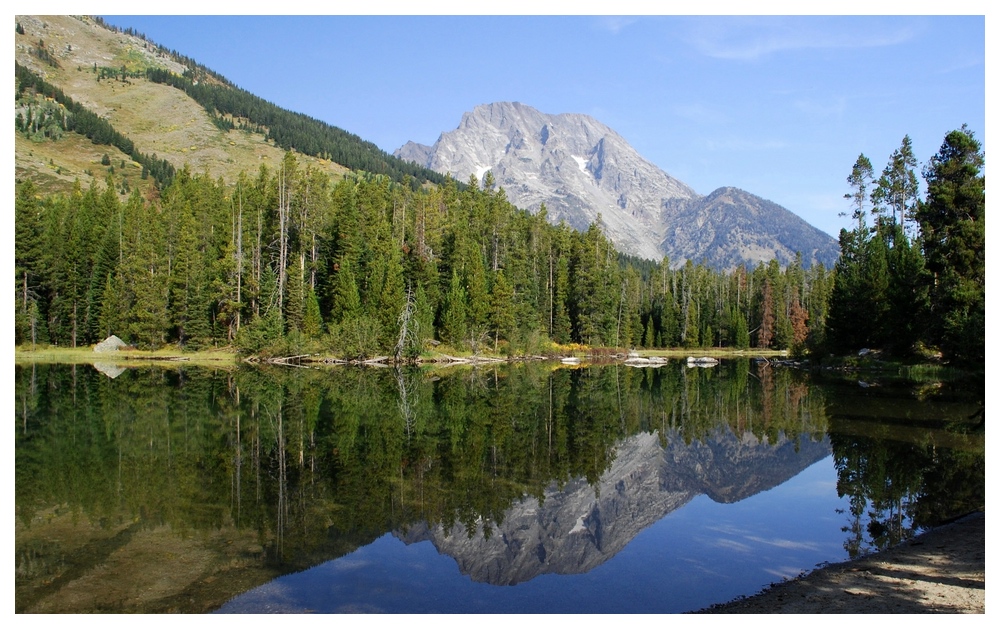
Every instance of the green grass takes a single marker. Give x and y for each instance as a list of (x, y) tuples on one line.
[(87, 355)]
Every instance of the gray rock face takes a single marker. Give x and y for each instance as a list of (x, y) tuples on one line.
[(581, 526), (580, 169)]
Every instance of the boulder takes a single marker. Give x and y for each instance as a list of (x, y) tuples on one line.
[(110, 344)]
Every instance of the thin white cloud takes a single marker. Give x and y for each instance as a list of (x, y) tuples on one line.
[(732, 545), (347, 564), (961, 65), (783, 543), (615, 24), (753, 38)]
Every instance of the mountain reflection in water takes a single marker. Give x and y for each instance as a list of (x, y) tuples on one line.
[(180, 489), (579, 526)]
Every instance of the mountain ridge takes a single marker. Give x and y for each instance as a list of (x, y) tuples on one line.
[(583, 171)]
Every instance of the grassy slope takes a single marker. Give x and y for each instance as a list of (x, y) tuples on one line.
[(158, 119)]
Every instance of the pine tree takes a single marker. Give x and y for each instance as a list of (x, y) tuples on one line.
[(114, 305), (560, 326), (596, 287), (312, 319), (766, 331), (346, 299), (477, 296), (423, 316), (453, 315), (858, 296), (649, 333), (502, 319), (28, 263), (953, 226), (741, 334), (295, 294), (906, 297), (145, 275), (860, 180), (896, 193), (798, 320)]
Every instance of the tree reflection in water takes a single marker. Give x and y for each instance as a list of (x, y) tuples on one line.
[(295, 467)]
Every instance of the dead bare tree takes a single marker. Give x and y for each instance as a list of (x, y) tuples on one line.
[(407, 326)]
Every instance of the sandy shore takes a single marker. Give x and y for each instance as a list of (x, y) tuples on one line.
[(940, 571)]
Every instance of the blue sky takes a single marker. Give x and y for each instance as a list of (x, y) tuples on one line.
[(780, 106)]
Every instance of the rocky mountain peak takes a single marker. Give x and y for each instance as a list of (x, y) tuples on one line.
[(581, 169)]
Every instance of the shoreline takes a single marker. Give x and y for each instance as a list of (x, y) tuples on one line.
[(229, 357), (942, 570)]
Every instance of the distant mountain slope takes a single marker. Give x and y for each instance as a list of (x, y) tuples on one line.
[(581, 169), (170, 106), (731, 226)]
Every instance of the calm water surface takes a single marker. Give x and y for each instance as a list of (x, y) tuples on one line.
[(527, 488)]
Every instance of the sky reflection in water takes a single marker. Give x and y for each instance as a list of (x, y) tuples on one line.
[(698, 555)]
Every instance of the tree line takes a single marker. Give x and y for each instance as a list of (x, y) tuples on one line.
[(916, 277), (288, 261)]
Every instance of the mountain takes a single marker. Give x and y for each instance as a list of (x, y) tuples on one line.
[(581, 169), (90, 96), (579, 526)]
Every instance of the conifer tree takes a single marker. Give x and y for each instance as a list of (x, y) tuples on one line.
[(766, 330), (28, 263), (312, 319), (741, 334), (295, 295), (953, 227), (453, 315), (895, 196), (476, 293), (502, 319), (146, 277), (346, 299), (861, 278)]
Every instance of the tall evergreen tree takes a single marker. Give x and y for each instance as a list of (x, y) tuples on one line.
[(502, 318), (906, 295), (861, 279), (453, 315), (953, 226), (346, 300), (860, 181), (897, 190)]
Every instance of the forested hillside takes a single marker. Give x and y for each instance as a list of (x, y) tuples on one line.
[(287, 261)]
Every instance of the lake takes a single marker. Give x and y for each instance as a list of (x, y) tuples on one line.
[(522, 488)]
